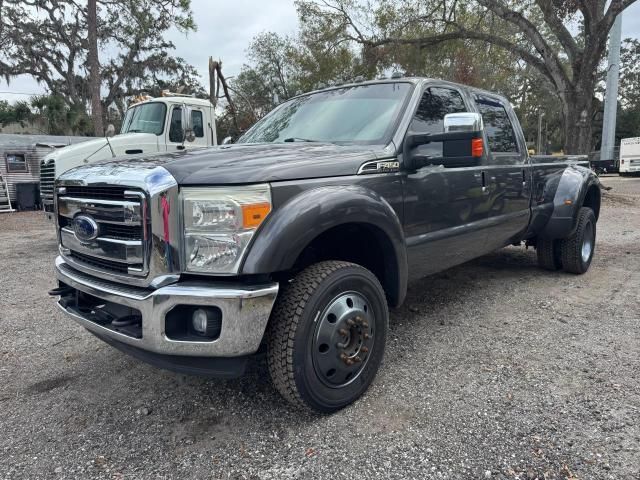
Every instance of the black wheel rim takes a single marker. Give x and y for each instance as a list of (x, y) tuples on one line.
[(343, 339)]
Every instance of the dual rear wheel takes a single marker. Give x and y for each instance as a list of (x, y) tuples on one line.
[(574, 253)]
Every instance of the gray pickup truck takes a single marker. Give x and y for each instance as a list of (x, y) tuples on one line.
[(295, 240)]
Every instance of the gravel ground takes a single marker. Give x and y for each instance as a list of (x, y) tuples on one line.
[(494, 369)]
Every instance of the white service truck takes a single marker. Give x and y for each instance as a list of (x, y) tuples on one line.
[(161, 124), (629, 156)]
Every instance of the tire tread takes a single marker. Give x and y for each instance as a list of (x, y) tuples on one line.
[(284, 323), (571, 247)]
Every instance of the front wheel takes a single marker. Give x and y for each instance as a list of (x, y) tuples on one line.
[(577, 250), (326, 336)]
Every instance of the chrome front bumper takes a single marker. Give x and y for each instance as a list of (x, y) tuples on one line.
[(245, 312)]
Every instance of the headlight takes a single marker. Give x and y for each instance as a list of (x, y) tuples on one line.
[(219, 223)]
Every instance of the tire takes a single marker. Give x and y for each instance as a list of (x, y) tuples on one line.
[(549, 256), (304, 342), (577, 250)]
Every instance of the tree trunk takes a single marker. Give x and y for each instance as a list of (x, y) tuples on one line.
[(94, 68), (577, 112)]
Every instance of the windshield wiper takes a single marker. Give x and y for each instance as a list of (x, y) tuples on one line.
[(134, 131), (298, 139)]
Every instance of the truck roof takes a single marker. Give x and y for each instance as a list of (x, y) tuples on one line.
[(179, 99), (413, 80)]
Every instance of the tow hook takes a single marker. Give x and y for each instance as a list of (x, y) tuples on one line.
[(61, 291)]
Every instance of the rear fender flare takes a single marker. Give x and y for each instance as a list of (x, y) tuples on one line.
[(569, 197)]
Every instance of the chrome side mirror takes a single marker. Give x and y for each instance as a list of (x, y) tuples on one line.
[(227, 140), (463, 122), (187, 125)]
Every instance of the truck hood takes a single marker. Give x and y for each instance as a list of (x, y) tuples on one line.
[(94, 150), (250, 163)]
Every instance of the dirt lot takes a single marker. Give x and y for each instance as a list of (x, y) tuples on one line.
[(494, 369)]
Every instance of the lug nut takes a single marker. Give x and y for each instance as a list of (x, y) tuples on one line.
[(364, 349), (366, 336), (365, 324), (357, 359), (350, 322), (343, 332)]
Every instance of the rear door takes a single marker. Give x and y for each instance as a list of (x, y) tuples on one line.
[(506, 173)]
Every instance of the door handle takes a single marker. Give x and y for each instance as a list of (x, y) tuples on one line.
[(524, 178), (485, 188)]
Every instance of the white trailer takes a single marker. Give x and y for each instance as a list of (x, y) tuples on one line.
[(630, 156)]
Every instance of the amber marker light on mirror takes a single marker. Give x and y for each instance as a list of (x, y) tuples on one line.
[(477, 147)]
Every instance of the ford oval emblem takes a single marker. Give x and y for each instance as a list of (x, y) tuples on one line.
[(85, 228)]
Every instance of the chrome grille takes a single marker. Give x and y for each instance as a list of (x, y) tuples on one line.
[(120, 245), (97, 193), (47, 177)]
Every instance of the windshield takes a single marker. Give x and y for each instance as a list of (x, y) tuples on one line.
[(364, 114), (145, 118)]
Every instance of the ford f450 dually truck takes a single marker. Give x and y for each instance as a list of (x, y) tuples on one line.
[(297, 239)]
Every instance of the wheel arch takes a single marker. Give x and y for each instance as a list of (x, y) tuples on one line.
[(350, 223), (577, 187)]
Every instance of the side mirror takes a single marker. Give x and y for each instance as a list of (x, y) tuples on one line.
[(227, 140), (187, 125), (462, 143)]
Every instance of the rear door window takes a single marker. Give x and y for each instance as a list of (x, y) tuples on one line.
[(499, 130)]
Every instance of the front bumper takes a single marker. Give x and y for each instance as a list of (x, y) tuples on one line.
[(245, 312)]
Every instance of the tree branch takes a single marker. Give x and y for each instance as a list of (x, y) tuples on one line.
[(559, 30), (550, 57)]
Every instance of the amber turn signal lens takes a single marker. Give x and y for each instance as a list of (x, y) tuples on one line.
[(254, 214), (477, 147)]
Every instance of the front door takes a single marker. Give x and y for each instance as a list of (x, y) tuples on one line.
[(444, 217)]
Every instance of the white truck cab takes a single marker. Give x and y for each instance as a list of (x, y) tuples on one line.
[(629, 156), (162, 124)]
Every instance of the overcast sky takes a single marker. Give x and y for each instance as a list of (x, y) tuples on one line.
[(225, 30)]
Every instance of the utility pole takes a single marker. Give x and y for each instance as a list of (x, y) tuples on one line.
[(611, 94)]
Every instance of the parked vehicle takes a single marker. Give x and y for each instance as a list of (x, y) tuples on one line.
[(153, 125), (300, 236), (604, 166), (20, 157), (630, 156)]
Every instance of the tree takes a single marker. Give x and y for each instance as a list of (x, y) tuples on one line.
[(93, 61), (16, 113), (52, 40), (535, 31), (630, 74), (60, 118)]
